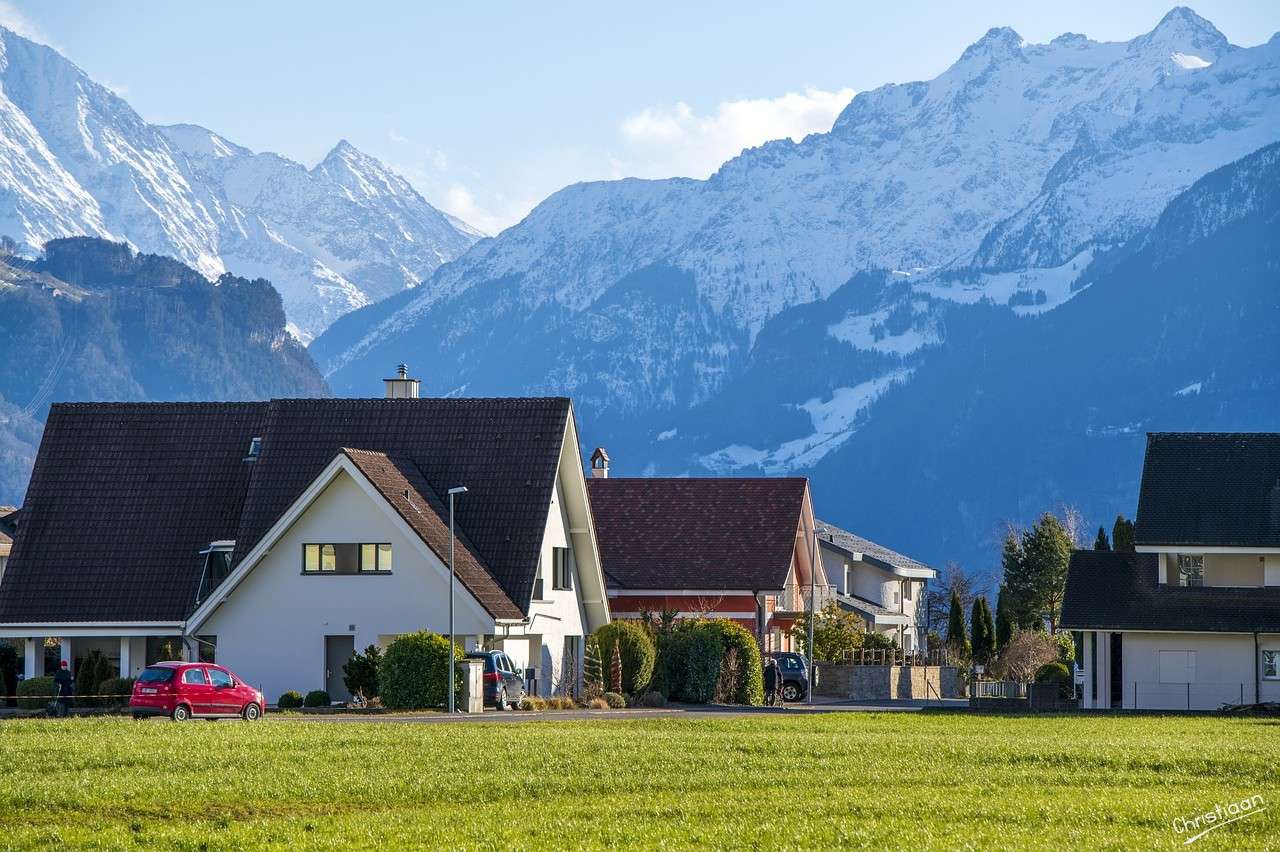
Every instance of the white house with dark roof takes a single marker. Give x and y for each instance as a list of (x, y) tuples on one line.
[(880, 585), (278, 537), (1191, 620)]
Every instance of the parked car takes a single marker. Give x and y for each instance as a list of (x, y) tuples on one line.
[(794, 671), (503, 683), (184, 691)]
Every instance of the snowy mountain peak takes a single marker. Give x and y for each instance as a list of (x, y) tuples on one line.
[(76, 159), (998, 43), (1184, 32)]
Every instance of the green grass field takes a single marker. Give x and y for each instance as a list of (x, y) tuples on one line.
[(857, 779)]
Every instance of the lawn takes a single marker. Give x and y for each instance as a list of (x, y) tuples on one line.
[(868, 780)]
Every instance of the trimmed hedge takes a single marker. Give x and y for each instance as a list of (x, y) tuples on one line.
[(696, 663), (749, 685), (38, 686), (120, 688), (290, 700), (317, 698), (414, 671), (637, 649), (1059, 673)]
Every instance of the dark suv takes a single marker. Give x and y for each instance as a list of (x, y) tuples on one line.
[(793, 671), (503, 685)]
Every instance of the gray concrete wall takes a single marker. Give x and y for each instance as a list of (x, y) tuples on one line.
[(888, 683)]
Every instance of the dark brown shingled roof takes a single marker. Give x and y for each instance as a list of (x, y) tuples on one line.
[(122, 498), (707, 533), (1107, 590), (506, 451), (1210, 488), (401, 484)]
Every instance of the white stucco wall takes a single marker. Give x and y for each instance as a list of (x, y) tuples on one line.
[(1221, 569), (271, 631), (1225, 668)]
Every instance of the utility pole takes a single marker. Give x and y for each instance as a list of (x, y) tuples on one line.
[(461, 489)]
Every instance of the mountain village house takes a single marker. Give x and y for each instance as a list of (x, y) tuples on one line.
[(1192, 619), (738, 548), (882, 587), (278, 537)]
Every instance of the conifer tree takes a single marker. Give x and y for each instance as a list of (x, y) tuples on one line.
[(957, 641), (1122, 535), (615, 669), (982, 630), (1004, 621), (1101, 542)]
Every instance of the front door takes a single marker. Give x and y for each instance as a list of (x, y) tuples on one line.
[(337, 650)]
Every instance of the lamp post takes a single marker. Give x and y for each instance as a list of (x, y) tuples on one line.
[(461, 489)]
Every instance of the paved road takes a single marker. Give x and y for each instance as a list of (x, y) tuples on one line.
[(676, 711)]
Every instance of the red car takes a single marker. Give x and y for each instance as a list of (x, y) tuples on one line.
[(183, 691)]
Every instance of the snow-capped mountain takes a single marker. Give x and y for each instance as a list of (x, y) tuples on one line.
[(75, 159), (1020, 158)]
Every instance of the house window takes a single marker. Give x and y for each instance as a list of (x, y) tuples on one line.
[(906, 590), (346, 558), (1190, 569), (207, 648), (1271, 665), (562, 569), (537, 589)]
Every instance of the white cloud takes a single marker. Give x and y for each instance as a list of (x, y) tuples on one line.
[(665, 141), (499, 212), (15, 19)]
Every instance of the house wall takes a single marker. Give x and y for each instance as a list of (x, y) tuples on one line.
[(1224, 670), (1228, 569), (557, 615), (271, 631)]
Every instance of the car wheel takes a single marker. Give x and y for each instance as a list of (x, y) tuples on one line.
[(138, 717), (181, 713), (252, 712), (790, 692), (501, 702)]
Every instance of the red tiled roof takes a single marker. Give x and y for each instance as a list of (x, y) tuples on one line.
[(697, 533)]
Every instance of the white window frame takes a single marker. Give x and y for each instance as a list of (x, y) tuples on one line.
[(1275, 663), (1194, 561), (562, 569)]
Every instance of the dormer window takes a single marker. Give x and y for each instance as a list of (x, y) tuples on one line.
[(1190, 569)]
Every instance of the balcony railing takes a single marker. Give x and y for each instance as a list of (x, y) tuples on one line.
[(796, 598)]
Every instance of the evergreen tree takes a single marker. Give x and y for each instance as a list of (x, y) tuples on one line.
[(1046, 551), (957, 641), (1122, 535), (1018, 590), (1004, 621), (1101, 542), (982, 630), (592, 669)]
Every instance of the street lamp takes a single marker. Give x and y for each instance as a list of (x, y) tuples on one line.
[(461, 489)]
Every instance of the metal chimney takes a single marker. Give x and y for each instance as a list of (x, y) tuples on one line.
[(402, 387)]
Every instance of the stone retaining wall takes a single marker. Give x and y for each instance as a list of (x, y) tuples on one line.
[(887, 683)]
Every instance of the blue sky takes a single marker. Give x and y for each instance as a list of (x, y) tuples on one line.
[(488, 110)]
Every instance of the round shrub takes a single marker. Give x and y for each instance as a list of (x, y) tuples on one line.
[(1058, 673), (41, 688), (360, 673), (414, 671), (653, 699), (291, 700), (637, 650), (692, 654), (317, 698), (118, 688), (614, 700)]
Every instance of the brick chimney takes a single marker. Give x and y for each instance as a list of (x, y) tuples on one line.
[(599, 464), (402, 387)]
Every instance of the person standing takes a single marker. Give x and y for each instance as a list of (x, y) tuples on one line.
[(65, 686), (770, 682)]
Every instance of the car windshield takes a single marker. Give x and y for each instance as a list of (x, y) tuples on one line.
[(156, 674)]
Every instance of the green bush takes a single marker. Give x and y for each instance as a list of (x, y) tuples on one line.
[(360, 673), (637, 651), (653, 699), (317, 698), (94, 669), (691, 658), (879, 641), (41, 687), (615, 700), (119, 688), (748, 684), (414, 671), (291, 700), (1059, 673)]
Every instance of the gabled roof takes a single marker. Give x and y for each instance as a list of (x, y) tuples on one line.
[(879, 555), (1210, 489), (697, 533), (401, 484), (1107, 590), (123, 497)]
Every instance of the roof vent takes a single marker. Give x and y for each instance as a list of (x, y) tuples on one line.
[(255, 450), (402, 387), (599, 464)]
